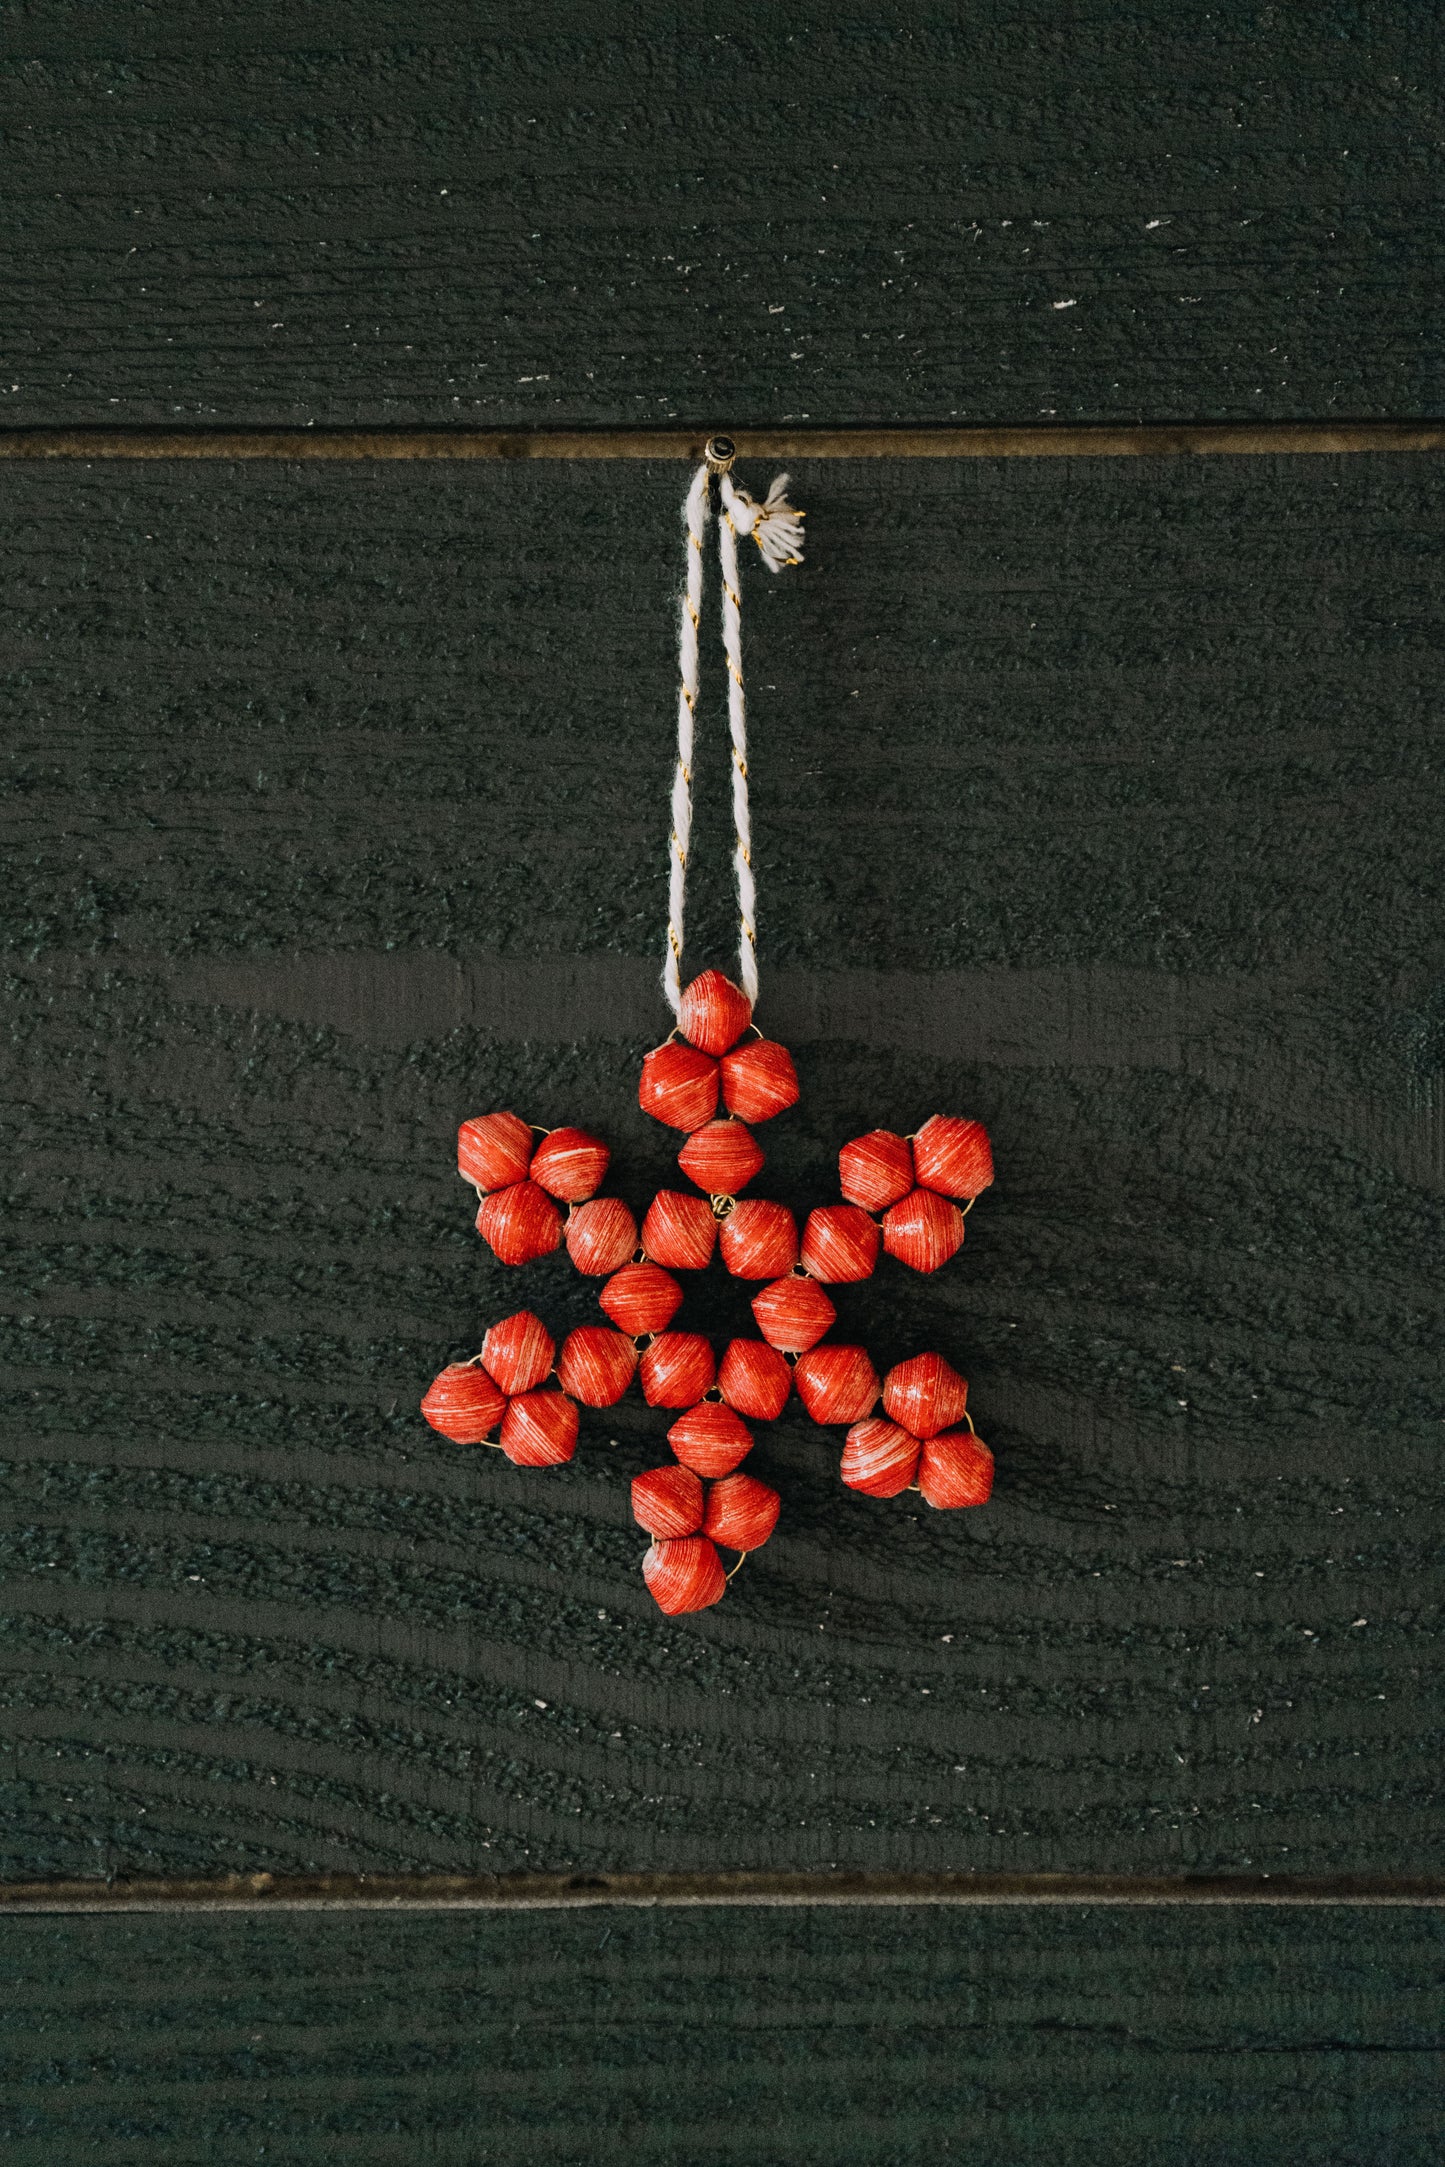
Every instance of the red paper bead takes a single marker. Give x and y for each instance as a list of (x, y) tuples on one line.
[(641, 1298), (596, 1365), (741, 1512), (836, 1384), (601, 1235), (955, 1470), (793, 1314), (668, 1502), (495, 1150), (722, 1157), (840, 1242), (679, 1231), (759, 1239), (570, 1164), (879, 1458), (676, 1369), (684, 1575), (710, 1439), (876, 1169), (924, 1231), (463, 1403), (520, 1223), (518, 1352), (754, 1378), (759, 1080), (539, 1429), (953, 1156), (679, 1086), (714, 1012), (925, 1394)]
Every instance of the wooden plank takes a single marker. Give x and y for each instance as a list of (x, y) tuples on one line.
[(1100, 800), (1278, 2039), (315, 214)]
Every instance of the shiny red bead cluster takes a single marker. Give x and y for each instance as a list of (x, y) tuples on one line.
[(902, 1195)]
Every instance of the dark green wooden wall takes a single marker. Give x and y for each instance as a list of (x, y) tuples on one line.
[(781, 2039), (309, 210), (1100, 799)]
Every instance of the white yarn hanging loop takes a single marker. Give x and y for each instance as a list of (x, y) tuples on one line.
[(777, 529), (732, 622), (695, 513)]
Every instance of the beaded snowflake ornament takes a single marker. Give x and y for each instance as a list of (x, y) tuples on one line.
[(905, 1196)]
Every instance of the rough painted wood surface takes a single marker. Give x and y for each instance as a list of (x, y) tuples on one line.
[(1101, 801), (1260, 2039), (328, 212)]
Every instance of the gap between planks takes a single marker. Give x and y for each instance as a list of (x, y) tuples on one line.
[(1154, 440), (570, 1892)]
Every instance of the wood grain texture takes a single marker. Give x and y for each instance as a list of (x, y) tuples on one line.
[(1101, 801), (843, 2039), (315, 212)]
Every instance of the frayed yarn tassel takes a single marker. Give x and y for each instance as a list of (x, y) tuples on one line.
[(775, 525)]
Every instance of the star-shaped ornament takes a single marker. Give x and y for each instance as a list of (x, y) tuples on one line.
[(715, 1078)]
